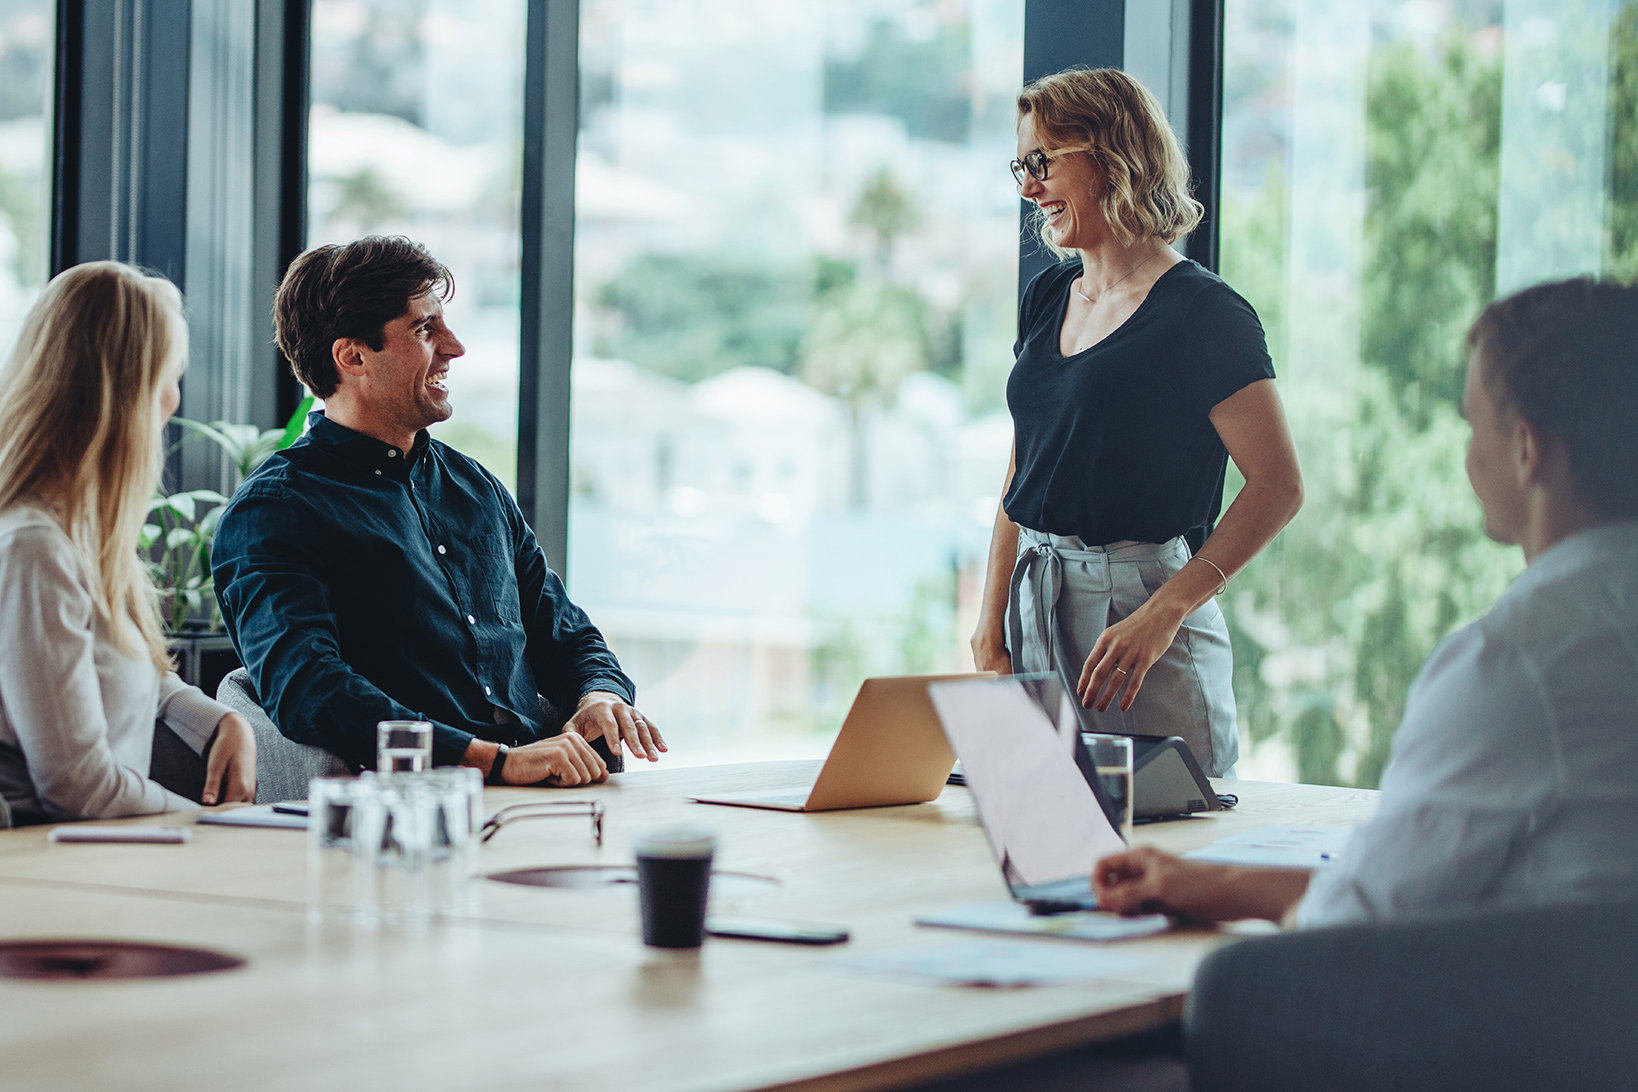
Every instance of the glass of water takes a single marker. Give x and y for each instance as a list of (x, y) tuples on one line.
[(457, 824), (1112, 758), (343, 832), (403, 746)]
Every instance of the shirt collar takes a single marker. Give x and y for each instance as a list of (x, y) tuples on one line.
[(365, 451), (1578, 551)]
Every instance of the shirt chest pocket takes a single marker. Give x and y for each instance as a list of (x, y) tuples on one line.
[(491, 576)]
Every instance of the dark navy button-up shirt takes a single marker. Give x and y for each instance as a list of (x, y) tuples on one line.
[(361, 583)]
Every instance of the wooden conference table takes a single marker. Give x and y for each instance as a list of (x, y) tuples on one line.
[(552, 988)]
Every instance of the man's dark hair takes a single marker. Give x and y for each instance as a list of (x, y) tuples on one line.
[(349, 290), (1564, 356)]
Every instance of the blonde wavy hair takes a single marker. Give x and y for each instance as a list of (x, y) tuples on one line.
[(1120, 126), (80, 432)]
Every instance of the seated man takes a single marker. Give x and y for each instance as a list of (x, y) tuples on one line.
[(1514, 776), (370, 573)]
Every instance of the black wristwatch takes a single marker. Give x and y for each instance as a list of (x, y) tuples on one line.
[(498, 765)]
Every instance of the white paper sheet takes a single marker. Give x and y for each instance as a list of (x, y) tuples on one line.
[(1011, 917), (997, 963), (256, 815), (1038, 811), (1278, 847)]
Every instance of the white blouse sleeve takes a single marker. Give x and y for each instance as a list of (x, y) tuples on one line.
[(52, 695), (189, 711)]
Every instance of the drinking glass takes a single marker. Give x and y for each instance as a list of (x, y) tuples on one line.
[(1112, 758), (403, 746), (403, 843), (342, 832), (457, 823)]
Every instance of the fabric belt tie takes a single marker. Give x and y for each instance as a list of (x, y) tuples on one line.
[(1040, 566)]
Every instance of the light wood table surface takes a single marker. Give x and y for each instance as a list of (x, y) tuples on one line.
[(549, 988)]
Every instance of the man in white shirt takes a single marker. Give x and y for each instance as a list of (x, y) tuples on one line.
[(1514, 776)]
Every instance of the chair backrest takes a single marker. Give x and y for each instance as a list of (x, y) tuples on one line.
[(1538, 999), (5, 814), (283, 766)]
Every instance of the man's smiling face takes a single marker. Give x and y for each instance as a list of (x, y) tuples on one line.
[(405, 382)]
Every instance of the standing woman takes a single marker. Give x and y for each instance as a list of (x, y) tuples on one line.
[(84, 671), (1138, 375)]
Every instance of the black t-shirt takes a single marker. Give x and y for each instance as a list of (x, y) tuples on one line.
[(1114, 442)]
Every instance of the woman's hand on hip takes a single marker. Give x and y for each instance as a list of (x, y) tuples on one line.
[(1124, 654)]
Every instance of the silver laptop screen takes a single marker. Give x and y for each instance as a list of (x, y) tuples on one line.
[(1041, 818)]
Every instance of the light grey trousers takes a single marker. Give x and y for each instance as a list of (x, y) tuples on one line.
[(1065, 593)]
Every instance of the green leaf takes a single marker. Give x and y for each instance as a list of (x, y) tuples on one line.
[(297, 423), (213, 432), (181, 538), (207, 526), (204, 496)]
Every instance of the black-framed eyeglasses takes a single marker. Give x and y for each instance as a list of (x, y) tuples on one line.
[(1035, 164), (546, 809)]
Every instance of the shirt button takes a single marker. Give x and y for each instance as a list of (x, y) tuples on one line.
[(471, 621), (392, 453), (487, 691), (378, 473), (442, 550)]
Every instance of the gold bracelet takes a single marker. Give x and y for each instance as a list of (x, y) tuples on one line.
[(1224, 586)]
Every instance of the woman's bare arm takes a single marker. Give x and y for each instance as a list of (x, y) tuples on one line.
[(1253, 428), (989, 641)]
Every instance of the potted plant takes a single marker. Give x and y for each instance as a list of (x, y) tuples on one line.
[(176, 542)]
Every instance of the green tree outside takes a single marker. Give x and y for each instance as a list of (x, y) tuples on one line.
[(1388, 555)]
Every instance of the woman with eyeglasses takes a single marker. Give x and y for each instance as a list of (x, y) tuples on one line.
[(1138, 374), (85, 673)]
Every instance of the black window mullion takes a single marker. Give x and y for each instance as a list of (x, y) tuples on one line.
[(551, 85)]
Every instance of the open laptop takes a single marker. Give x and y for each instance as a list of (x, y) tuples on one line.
[(890, 750), (1037, 794)]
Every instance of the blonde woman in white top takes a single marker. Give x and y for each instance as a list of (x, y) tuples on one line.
[(84, 672)]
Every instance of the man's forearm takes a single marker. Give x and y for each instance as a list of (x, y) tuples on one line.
[(1238, 892)]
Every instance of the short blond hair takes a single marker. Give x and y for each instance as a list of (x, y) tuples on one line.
[(1144, 174), (80, 429)]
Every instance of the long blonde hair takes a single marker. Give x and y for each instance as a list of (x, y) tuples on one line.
[(80, 431), (1123, 129)]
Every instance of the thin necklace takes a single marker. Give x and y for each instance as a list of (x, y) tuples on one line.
[(1107, 287)]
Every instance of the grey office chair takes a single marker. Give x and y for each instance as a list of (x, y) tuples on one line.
[(283, 766), (1540, 999)]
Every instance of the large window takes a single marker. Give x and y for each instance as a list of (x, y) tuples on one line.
[(1388, 168), (417, 129), (26, 43), (796, 277)]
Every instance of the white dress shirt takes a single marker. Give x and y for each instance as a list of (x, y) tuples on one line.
[(1514, 776), (76, 711)]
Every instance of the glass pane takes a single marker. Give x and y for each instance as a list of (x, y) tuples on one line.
[(796, 285), (417, 129), (1388, 169), (27, 41)]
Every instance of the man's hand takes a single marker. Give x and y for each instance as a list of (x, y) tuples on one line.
[(604, 714), (1147, 881), (230, 763), (565, 760)]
